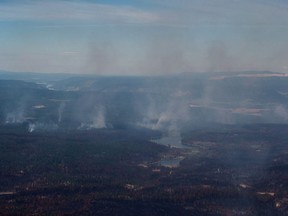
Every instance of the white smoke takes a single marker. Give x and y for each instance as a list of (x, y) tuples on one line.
[(39, 126), (169, 118), (156, 123), (60, 111), (15, 117), (98, 120), (281, 112), (163, 120), (31, 127)]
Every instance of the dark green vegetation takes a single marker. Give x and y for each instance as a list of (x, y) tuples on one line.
[(229, 170)]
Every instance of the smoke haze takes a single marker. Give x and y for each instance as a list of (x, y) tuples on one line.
[(143, 38)]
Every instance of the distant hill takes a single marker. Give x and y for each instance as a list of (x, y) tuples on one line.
[(87, 101), (33, 77)]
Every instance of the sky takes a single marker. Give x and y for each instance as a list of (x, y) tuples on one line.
[(143, 37)]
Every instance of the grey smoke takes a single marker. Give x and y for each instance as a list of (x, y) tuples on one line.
[(218, 57), (102, 58)]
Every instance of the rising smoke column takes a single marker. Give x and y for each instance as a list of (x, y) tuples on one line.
[(97, 119), (100, 119), (60, 111), (17, 113), (15, 117), (165, 115)]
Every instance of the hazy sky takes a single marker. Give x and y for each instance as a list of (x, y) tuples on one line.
[(143, 36)]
